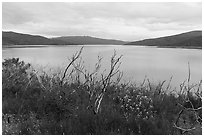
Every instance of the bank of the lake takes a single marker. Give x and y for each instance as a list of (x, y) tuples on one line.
[(38, 104)]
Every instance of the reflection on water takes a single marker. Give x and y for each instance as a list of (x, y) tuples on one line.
[(157, 64)]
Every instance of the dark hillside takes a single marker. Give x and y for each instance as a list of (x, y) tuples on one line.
[(13, 38), (87, 40), (188, 39)]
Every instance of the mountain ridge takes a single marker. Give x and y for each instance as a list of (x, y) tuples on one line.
[(14, 38), (192, 39), (186, 39), (90, 40)]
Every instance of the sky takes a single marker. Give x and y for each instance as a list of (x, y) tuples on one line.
[(123, 21)]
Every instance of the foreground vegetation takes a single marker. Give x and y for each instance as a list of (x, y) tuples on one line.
[(83, 102)]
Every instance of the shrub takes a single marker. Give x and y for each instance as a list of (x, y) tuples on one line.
[(48, 104)]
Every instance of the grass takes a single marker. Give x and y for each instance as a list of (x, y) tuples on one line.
[(99, 104)]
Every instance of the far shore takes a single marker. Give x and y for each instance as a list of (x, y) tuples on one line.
[(34, 46)]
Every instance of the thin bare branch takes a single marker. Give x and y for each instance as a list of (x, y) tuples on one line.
[(168, 86), (74, 58), (143, 81), (183, 130), (189, 73), (114, 69)]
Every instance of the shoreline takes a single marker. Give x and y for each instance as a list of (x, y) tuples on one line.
[(34, 46)]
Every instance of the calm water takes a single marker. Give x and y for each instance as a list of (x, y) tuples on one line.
[(157, 64)]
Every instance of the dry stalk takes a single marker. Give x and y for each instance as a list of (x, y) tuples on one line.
[(73, 59), (168, 86), (106, 80)]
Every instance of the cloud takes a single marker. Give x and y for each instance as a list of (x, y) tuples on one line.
[(14, 15), (126, 21)]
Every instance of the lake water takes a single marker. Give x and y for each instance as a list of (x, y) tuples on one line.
[(157, 64)]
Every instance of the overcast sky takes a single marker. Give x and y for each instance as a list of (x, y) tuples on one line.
[(124, 21)]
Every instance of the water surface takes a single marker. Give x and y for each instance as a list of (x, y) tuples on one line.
[(157, 64)]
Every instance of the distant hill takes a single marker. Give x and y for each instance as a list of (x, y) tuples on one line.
[(87, 40), (13, 38), (191, 39)]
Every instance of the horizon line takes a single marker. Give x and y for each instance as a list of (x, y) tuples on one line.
[(96, 36)]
